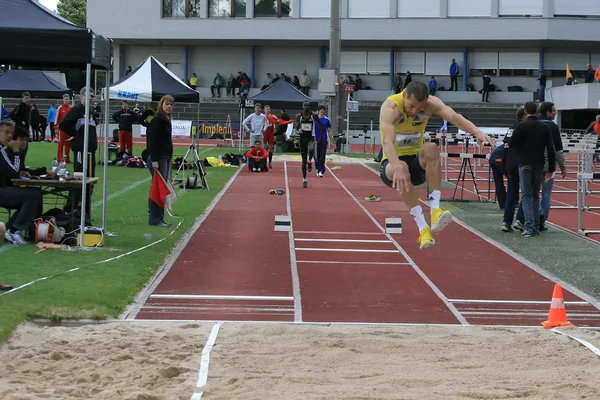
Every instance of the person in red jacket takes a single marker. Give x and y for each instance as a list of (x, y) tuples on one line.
[(257, 158), (64, 146), (269, 134)]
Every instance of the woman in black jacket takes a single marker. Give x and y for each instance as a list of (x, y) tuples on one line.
[(160, 149)]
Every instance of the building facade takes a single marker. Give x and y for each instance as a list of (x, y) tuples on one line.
[(511, 40)]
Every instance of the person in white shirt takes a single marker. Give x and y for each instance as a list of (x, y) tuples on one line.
[(255, 124)]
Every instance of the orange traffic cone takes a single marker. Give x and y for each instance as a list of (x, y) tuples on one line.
[(557, 315)]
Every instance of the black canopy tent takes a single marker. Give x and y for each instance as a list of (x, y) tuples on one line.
[(39, 84), (282, 94), (33, 35)]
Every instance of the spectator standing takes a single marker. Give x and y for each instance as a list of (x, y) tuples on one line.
[(547, 113), (485, 92), (589, 74), (218, 83), (305, 83), (35, 123), (73, 125), (96, 112), (530, 139), (125, 118), (51, 119), (64, 146), (542, 87), (160, 149), (454, 70), (21, 115), (296, 82), (408, 79), (128, 70), (512, 175), (397, 83), (255, 124), (322, 140)]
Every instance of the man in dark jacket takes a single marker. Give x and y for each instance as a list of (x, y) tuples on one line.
[(547, 114), (530, 140), (589, 74), (503, 162), (485, 92), (73, 124), (21, 115), (125, 118)]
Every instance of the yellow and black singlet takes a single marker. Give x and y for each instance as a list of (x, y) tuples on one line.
[(410, 132)]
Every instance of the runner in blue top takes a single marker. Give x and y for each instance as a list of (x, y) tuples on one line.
[(322, 138)]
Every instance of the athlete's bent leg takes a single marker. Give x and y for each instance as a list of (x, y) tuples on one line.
[(429, 158), (411, 199)]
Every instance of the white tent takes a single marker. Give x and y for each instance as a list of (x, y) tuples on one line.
[(150, 81)]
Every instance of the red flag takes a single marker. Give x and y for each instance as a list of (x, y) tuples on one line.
[(161, 192)]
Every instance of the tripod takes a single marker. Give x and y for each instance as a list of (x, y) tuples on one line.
[(466, 163), (196, 163)]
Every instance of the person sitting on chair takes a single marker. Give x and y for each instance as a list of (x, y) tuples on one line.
[(257, 158)]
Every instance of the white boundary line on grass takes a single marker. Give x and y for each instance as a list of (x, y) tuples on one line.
[(132, 311), (294, 264), (522, 260), (205, 361), (423, 276)]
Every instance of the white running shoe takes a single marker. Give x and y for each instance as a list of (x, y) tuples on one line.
[(253, 169)]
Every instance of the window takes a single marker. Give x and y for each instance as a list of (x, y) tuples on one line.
[(181, 8), (273, 8), (518, 72), (227, 8)]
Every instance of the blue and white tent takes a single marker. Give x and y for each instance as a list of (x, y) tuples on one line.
[(150, 81)]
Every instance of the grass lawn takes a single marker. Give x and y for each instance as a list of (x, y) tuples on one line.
[(104, 290)]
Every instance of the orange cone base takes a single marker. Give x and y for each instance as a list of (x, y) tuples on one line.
[(552, 324)]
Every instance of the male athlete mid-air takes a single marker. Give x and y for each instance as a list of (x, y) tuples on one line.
[(408, 162)]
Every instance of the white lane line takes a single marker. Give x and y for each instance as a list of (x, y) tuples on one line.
[(205, 361), (418, 270), (217, 297), (342, 240), (338, 233), (353, 262), (579, 303), (346, 250), (294, 265), (525, 312)]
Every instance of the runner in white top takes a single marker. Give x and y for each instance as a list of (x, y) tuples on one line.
[(256, 123)]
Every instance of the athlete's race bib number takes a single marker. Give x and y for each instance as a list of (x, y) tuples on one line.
[(306, 126), (408, 139)]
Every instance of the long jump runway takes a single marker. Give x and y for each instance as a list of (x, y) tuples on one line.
[(338, 265)]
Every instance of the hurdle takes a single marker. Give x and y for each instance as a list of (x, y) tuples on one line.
[(583, 179)]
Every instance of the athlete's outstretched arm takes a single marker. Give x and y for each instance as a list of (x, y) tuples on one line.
[(437, 106), (388, 117)]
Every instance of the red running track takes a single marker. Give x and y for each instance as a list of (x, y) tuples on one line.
[(342, 267)]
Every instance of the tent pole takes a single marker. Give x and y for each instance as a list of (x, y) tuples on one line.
[(86, 143), (105, 166)]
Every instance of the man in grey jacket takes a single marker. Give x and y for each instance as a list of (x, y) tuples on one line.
[(547, 113)]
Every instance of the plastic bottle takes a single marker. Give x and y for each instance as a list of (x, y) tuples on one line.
[(62, 169), (54, 166)]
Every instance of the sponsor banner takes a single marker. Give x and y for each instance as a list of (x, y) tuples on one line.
[(179, 129), (214, 130)]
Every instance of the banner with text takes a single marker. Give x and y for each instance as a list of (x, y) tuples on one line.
[(179, 129)]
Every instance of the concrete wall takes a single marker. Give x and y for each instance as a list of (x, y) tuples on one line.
[(170, 56), (289, 60)]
